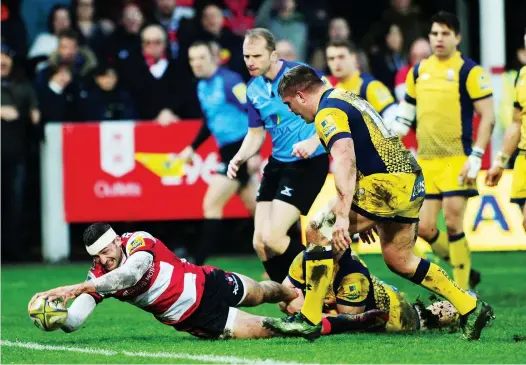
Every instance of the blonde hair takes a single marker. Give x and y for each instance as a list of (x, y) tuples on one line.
[(265, 34)]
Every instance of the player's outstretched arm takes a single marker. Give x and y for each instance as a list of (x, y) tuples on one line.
[(125, 276), (509, 145), (121, 278), (342, 152), (78, 312)]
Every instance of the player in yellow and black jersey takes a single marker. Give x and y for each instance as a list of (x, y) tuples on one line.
[(343, 64), (515, 137), (354, 290), (388, 176), (443, 92), (378, 184)]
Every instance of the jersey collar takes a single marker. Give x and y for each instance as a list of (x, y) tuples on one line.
[(280, 72), (451, 59), (323, 96)]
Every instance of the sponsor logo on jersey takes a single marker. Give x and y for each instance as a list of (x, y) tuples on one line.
[(259, 102), (484, 83), (279, 130), (419, 189), (134, 244), (144, 281), (327, 128), (450, 74), (383, 95), (240, 92), (354, 293), (360, 194)]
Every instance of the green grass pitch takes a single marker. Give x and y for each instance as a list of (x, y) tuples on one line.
[(129, 335)]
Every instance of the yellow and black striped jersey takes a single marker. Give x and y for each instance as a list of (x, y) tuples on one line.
[(342, 114), (370, 89), (444, 92), (351, 282), (353, 286)]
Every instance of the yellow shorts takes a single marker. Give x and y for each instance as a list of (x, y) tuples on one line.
[(518, 185), (402, 315), (394, 197), (441, 176)]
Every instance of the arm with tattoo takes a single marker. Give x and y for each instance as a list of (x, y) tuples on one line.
[(121, 278), (125, 276)]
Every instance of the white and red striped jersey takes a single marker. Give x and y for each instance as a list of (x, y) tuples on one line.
[(171, 289)]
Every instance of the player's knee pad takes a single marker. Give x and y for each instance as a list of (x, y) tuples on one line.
[(323, 223)]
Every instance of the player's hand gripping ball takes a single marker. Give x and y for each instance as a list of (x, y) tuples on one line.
[(46, 315)]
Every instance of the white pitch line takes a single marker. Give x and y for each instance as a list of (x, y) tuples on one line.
[(167, 355), (37, 346)]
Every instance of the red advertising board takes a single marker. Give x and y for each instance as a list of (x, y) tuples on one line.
[(120, 171)]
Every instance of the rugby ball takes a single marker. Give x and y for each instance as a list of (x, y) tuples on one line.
[(46, 315)]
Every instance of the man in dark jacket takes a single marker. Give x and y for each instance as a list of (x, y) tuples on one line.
[(61, 80), (160, 91), (104, 98), (19, 114)]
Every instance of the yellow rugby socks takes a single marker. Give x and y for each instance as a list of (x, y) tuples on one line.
[(460, 257), (433, 278), (319, 267), (440, 245)]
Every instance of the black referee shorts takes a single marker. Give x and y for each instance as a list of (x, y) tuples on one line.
[(297, 183)]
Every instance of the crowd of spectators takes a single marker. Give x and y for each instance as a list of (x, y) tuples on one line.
[(92, 60), (84, 66)]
